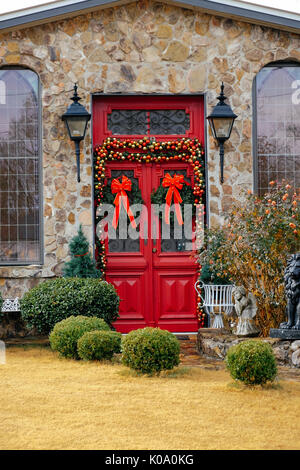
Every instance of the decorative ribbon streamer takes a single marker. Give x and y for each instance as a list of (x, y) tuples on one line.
[(173, 184), (120, 188), (82, 255)]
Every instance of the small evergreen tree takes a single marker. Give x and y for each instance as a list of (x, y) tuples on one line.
[(81, 263)]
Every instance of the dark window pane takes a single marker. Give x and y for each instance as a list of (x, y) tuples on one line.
[(4, 183), (4, 216), (169, 121), (4, 232), (278, 126), (19, 167), (12, 183), (13, 216), (3, 198), (120, 245), (127, 122), (3, 146), (148, 122), (174, 240)]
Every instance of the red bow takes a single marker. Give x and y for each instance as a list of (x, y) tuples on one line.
[(120, 189), (173, 184)]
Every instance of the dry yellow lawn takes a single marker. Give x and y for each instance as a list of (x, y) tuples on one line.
[(52, 403)]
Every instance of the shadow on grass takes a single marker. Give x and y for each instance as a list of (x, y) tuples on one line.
[(241, 387), (175, 373), (28, 346)]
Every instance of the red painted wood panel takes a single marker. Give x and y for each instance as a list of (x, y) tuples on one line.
[(156, 288), (103, 105)]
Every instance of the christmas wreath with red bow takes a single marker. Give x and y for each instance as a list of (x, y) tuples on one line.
[(173, 190), (122, 183), (122, 191)]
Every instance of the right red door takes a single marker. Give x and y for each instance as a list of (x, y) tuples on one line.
[(174, 270)]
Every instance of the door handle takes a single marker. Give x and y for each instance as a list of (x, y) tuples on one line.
[(154, 250)]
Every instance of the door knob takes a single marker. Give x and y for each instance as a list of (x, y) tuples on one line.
[(154, 250)]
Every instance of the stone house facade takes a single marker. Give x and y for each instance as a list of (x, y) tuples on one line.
[(136, 48)]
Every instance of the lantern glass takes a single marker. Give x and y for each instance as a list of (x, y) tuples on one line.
[(76, 126), (221, 127)]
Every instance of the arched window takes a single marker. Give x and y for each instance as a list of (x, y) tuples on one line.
[(277, 125), (19, 167)]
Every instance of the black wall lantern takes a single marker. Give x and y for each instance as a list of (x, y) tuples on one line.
[(221, 121), (76, 118)]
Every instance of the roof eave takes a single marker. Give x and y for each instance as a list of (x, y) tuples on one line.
[(240, 14), (57, 14), (206, 6)]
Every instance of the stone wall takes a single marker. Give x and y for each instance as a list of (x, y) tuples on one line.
[(213, 343), (12, 326), (143, 47)]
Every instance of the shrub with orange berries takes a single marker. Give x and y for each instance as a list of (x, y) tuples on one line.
[(258, 235)]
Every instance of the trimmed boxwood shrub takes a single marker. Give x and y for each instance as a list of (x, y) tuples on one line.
[(150, 350), (252, 362), (66, 333), (54, 300), (97, 345)]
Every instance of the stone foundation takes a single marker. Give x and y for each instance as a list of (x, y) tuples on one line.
[(288, 333), (12, 326), (188, 346), (214, 343)]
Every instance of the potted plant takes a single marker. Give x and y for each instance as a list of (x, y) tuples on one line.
[(214, 287)]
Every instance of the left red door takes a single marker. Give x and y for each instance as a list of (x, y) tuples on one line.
[(128, 261)]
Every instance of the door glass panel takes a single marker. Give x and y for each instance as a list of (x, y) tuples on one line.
[(176, 242), (119, 245), (169, 121), (173, 244), (148, 122), (127, 122)]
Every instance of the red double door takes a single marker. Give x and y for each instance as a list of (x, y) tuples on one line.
[(154, 277)]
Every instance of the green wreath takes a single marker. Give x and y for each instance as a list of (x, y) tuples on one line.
[(134, 196), (186, 193)]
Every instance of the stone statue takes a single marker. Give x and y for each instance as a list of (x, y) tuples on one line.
[(292, 290), (245, 307)]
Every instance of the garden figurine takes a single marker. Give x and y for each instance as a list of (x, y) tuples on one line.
[(246, 308), (292, 290)]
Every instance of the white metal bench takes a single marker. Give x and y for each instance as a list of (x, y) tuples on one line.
[(217, 300), (11, 305)]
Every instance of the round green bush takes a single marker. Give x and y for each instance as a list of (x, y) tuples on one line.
[(97, 345), (150, 350), (54, 300), (66, 333), (252, 362)]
